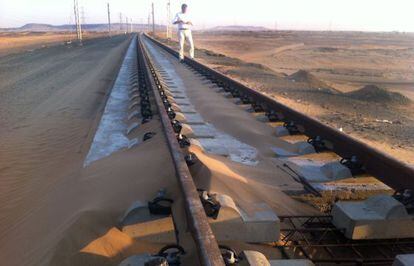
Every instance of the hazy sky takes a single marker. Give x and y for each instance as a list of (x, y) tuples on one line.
[(373, 15)]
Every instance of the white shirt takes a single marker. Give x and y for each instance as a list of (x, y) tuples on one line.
[(183, 17)]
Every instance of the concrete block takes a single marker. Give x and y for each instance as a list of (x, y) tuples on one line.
[(136, 260), (404, 260), (175, 106), (133, 104), (134, 96), (255, 258), (171, 99), (378, 217), (294, 149), (189, 118), (174, 89), (193, 119), (291, 262), (139, 223), (188, 109), (196, 142), (182, 101), (133, 142), (197, 131), (180, 117), (177, 94), (258, 224), (132, 127), (315, 170), (133, 114), (281, 131), (144, 260), (167, 92)]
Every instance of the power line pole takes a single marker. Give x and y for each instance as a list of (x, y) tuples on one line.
[(83, 19), (169, 20), (130, 25), (126, 25), (109, 21), (77, 21), (120, 22), (70, 29), (149, 22), (83, 15), (153, 19)]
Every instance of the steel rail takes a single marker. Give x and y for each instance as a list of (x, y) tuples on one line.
[(207, 248), (387, 169)]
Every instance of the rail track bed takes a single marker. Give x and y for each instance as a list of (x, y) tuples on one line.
[(256, 182)]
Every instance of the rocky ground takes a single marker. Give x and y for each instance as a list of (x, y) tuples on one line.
[(380, 116)]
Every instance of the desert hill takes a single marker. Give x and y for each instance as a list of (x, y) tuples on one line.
[(311, 81), (375, 94), (238, 28), (39, 27)]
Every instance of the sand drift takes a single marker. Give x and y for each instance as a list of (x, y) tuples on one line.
[(231, 218), (111, 135), (205, 134)]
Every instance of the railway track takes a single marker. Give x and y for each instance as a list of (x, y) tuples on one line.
[(207, 247), (313, 237), (389, 170)]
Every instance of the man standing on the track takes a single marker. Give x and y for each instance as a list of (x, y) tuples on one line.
[(184, 30)]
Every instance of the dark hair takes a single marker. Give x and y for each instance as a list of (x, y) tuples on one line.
[(183, 5)]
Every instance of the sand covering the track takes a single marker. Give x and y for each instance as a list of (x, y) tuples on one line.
[(53, 208), (110, 186)]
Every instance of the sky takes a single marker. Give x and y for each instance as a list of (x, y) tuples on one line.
[(362, 15)]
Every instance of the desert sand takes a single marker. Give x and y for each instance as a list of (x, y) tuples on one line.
[(13, 42), (50, 101), (346, 60)]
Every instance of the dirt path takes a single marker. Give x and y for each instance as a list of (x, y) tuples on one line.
[(50, 100)]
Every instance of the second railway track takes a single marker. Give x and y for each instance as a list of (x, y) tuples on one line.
[(234, 197)]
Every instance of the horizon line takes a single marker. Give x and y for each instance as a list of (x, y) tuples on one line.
[(217, 26)]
